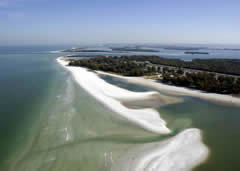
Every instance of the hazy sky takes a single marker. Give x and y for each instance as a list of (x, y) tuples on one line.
[(119, 21)]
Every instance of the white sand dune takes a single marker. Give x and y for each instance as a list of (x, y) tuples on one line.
[(171, 89), (180, 153), (109, 95)]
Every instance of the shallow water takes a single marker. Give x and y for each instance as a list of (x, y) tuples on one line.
[(48, 122), (219, 124)]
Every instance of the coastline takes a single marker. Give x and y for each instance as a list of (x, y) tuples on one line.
[(111, 95), (181, 152), (174, 90)]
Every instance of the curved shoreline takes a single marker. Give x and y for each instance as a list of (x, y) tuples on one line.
[(174, 90), (181, 152), (109, 95)]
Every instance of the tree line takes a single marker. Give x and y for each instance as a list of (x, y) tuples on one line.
[(204, 81), (225, 66), (144, 65), (116, 65)]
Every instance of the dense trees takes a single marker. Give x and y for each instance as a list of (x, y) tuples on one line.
[(150, 65), (205, 81), (226, 66), (116, 65)]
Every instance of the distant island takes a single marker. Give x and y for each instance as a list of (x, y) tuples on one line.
[(211, 75), (111, 50), (85, 50), (134, 50), (83, 56), (231, 49), (184, 48), (196, 53)]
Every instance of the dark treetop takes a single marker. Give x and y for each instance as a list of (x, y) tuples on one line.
[(194, 74)]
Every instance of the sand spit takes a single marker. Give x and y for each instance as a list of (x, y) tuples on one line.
[(154, 102), (171, 89), (111, 95), (180, 153)]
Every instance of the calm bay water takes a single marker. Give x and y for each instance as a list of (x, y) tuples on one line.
[(49, 123), (214, 51), (219, 124)]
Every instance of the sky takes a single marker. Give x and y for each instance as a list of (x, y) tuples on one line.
[(37, 22)]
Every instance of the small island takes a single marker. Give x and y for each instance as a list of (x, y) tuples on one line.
[(197, 53), (231, 49), (211, 75), (183, 48), (134, 50), (85, 50), (111, 50)]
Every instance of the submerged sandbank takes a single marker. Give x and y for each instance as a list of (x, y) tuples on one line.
[(111, 95), (182, 152), (171, 89), (154, 102)]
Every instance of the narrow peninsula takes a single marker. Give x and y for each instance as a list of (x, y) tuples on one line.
[(211, 75)]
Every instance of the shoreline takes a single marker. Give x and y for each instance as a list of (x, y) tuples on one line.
[(175, 90), (111, 95), (183, 151)]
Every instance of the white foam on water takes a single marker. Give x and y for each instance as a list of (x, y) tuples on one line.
[(179, 153), (109, 95)]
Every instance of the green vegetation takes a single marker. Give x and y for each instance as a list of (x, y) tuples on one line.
[(225, 66), (203, 81), (172, 71), (116, 65)]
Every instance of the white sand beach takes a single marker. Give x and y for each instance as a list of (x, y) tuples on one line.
[(110, 95), (174, 90), (182, 152)]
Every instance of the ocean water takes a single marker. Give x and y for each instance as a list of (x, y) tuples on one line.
[(215, 51), (48, 122)]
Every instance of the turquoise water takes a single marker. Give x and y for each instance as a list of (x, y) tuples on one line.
[(219, 124), (26, 75), (48, 122)]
